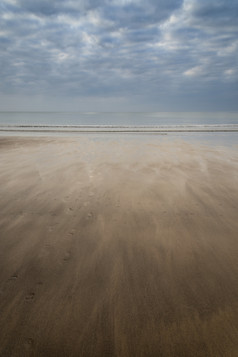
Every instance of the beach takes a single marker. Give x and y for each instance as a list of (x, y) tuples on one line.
[(123, 246)]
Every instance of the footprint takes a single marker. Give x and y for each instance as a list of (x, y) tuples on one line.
[(72, 232), (30, 297), (67, 256), (28, 343), (90, 215), (14, 277)]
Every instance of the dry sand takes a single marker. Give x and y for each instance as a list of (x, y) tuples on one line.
[(118, 247)]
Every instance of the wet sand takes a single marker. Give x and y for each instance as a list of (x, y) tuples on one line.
[(118, 247)]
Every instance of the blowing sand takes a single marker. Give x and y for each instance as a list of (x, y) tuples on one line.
[(118, 247)]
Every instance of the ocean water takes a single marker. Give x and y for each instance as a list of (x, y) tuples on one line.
[(221, 127), (118, 119)]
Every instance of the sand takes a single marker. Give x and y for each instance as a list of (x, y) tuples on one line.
[(118, 246)]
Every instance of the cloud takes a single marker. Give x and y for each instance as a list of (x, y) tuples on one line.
[(146, 49), (215, 13), (193, 72)]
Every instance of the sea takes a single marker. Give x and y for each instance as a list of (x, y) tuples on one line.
[(218, 127)]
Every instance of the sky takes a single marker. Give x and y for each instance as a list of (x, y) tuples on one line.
[(119, 55)]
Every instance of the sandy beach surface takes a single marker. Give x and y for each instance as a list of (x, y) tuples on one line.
[(122, 246)]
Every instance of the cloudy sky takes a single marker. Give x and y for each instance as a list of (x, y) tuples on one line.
[(137, 55)]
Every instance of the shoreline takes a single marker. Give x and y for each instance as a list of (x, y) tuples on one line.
[(163, 129)]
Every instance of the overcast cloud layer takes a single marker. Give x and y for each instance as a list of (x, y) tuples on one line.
[(119, 54)]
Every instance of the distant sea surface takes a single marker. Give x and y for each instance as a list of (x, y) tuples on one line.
[(118, 119)]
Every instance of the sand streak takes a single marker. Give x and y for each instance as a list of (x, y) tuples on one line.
[(117, 248)]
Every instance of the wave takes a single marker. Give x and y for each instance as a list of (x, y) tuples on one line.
[(121, 128)]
